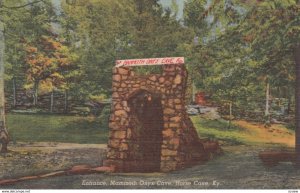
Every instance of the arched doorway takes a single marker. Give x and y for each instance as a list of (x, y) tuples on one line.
[(147, 116)]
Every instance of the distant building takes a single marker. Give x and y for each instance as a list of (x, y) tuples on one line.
[(200, 98)]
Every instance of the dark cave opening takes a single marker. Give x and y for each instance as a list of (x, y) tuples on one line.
[(147, 113)]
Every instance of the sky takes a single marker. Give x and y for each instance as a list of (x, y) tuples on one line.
[(180, 3)]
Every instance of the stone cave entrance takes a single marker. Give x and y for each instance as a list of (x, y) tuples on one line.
[(150, 130), (147, 118)]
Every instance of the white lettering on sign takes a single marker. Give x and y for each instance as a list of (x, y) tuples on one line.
[(150, 61)]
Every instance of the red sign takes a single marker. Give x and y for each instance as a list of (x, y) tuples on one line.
[(150, 61)]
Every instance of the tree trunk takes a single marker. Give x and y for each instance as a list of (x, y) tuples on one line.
[(230, 110), (230, 114), (66, 102), (36, 90), (51, 102), (3, 131), (297, 103), (14, 93), (288, 96), (267, 111), (288, 111), (189, 92), (193, 92)]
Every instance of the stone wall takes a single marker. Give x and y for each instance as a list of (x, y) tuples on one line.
[(179, 146), (62, 103)]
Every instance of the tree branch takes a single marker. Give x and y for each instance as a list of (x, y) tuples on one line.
[(25, 5)]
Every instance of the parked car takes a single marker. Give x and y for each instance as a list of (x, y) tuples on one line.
[(193, 109)]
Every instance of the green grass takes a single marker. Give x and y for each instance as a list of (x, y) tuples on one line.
[(56, 128), (218, 129), (78, 129), (244, 133)]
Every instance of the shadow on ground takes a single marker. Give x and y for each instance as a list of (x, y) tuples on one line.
[(238, 168)]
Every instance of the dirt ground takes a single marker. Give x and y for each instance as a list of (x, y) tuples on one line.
[(257, 133), (26, 159), (238, 167)]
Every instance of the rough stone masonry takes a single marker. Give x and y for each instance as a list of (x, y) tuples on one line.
[(150, 130)]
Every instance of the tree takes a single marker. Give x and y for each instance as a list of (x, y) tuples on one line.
[(264, 33), (14, 52), (124, 29), (3, 131), (96, 43), (48, 65), (277, 35), (5, 7), (156, 33)]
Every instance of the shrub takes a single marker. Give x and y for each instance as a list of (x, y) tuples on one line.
[(104, 116)]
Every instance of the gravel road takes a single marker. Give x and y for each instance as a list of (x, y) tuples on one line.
[(238, 168)]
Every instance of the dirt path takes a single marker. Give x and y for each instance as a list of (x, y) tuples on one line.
[(239, 167), (37, 158), (276, 134)]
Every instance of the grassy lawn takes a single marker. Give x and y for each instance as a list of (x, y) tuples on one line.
[(243, 132), (77, 129), (56, 128), (218, 129)]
